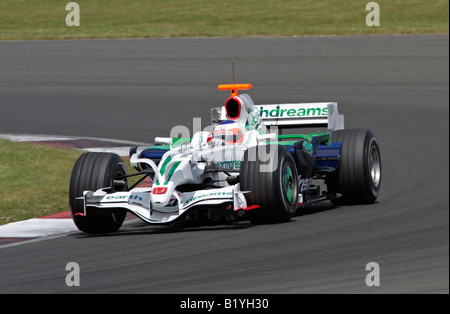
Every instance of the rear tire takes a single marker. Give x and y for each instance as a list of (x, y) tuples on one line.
[(94, 171), (273, 184), (358, 176)]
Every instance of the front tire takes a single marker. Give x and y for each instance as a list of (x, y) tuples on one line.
[(272, 181), (94, 171)]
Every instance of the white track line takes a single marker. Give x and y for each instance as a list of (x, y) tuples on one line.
[(37, 228)]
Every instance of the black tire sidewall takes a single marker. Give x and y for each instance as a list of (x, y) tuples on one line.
[(93, 171), (266, 187), (353, 177)]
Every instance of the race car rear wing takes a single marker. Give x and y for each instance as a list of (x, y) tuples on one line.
[(297, 115)]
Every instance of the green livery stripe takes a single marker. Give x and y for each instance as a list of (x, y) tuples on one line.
[(163, 167), (325, 138), (162, 147), (178, 141), (172, 170)]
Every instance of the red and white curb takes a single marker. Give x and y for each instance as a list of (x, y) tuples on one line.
[(58, 224)]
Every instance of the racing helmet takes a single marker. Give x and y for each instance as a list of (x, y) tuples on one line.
[(229, 132)]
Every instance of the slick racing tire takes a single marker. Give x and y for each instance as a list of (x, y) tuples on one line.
[(358, 176), (269, 174), (94, 171)]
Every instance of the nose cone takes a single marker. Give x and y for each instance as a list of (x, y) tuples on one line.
[(161, 194)]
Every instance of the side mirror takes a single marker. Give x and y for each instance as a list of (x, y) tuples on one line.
[(164, 140)]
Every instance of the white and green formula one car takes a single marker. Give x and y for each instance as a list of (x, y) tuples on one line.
[(240, 169)]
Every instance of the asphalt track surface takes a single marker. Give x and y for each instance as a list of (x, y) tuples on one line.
[(398, 86)]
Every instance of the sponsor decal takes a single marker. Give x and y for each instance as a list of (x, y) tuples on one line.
[(141, 199), (116, 197), (207, 195), (230, 164), (135, 198), (289, 111), (159, 190), (303, 184)]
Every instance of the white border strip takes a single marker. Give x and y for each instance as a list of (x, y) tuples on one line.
[(37, 228)]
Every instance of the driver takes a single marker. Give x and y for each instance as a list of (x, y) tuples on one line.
[(229, 132)]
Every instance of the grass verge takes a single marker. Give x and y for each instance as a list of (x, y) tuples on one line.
[(34, 180), (36, 19)]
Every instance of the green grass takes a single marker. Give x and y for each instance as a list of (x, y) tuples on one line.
[(34, 180), (45, 19)]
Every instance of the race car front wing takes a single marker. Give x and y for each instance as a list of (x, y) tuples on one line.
[(138, 202)]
